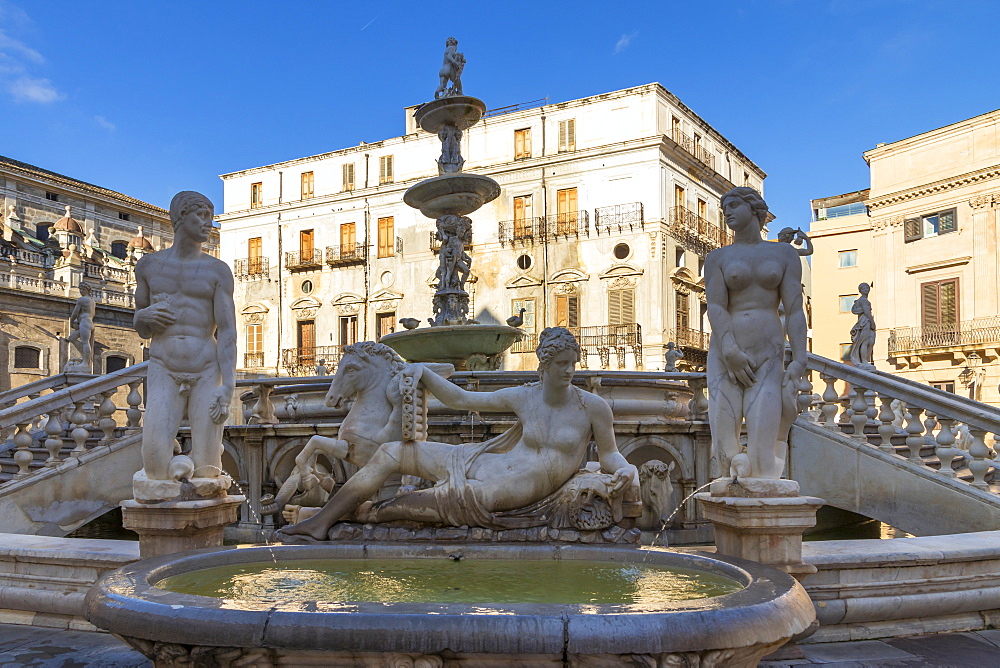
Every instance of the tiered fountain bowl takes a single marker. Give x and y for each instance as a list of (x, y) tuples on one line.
[(763, 608)]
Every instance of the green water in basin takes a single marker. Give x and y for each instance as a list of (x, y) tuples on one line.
[(447, 581)]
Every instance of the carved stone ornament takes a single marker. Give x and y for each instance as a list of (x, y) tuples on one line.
[(882, 223), (566, 289), (621, 283), (348, 309), (652, 245), (256, 318), (306, 312), (983, 201), (386, 305)]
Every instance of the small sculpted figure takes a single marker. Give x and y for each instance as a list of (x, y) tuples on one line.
[(863, 332), (745, 283), (796, 237), (657, 492), (321, 369), (184, 303), (671, 355), (478, 483), (451, 71), (451, 159), (81, 336)]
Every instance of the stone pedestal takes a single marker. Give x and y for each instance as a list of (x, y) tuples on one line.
[(179, 526), (761, 520)]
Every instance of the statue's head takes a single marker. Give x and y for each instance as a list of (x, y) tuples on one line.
[(753, 199), (864, 289), (786, 235), (451, 41), (670, 345), (186, 201), (554, 340), (84, 289), (590, 506)]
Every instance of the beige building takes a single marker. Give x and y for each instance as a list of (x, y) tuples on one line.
[(56, 234), (609, 205), (925, 236)]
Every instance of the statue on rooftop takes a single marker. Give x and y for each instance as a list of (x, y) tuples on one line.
[(184, 303), (451, 71), (863, 332), (745, 283), (81, 336)]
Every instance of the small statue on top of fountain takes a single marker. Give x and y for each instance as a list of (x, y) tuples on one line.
[(451, 71), (671, 355)]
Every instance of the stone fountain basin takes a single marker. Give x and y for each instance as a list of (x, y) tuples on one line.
[(459, 194), (461, 111), (451, 344), (735, 629)]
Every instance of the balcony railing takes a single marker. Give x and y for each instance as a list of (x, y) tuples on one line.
[(21, 256), (522, 230), (598, 340), (100, 271), (304, 259), (968, 333), (253, 360), (251, 267), (532, 229), (689, 226), (346, 254), (618, 217), (685, 337), (30, 284), (303, 361), (694, 148)]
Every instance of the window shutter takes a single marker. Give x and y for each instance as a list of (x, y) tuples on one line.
[(348, 174), (929, 308), (947, 222), (562, 311), (628, 306), (573, 311), (615, 307), (948, 302), (912, 229), (562, 136), (571, 134), (527, 143), (254, 248)]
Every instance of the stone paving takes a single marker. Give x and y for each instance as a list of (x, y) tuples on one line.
[(60, 648)]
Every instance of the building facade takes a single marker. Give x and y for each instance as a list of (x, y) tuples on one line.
[(58, 233), (925, 236), (609, 205)]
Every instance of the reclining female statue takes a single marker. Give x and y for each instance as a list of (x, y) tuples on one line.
[(478, 482)]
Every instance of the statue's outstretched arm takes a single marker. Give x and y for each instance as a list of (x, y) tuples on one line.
[(455, 397)]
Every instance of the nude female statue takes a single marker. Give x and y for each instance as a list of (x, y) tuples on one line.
[(533, 459), (747, 381), (863, 332)]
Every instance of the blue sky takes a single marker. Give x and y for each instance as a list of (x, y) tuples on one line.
[(149, 98)]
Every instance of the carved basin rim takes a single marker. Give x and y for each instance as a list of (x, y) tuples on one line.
[(770, 608), (462, 111), (460, 193), (451, 343)]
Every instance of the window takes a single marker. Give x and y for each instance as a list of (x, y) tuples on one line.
[(847, 302), (680, 198), (524, 262), (682, 312), (566, 211), (256, 195), (385, 323), (254, 357), (305, 336), (528, 305), (746, 179), (522, 144), (27, 357), (702, 209), (348, 173), (930, 225), (114, 363), (567, 311), (679, 257), (386, 237), (675, 129), (621, 251), (306, 248), (348, 329), (124, 216), (306, 287), (522, 216), (701, 266), (567, 135), (52, 197), (385, 169), (939, 312), (845, 351), (944, 385), (621, 306), (307, 185), (254, 255), (42, 231), (848, 258), (348, 239), (119, 249)]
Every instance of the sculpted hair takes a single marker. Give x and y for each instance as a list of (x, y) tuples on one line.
[(751, 197), (554, 340), (183, 202), (367, 349)]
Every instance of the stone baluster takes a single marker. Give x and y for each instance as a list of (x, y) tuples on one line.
[(847, 412), (946, 450), (979, 466), (871, 412), (23, 455), (930, 422), (106, 411), (914, 430), (886, 428), (134, 399), (996, 445), (37, 420), (80, 431), (830, 401), (859, 419), (54, 442), (805, 398)]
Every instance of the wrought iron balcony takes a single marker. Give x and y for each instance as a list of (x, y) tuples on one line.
[(598, 340), (532, 229), (526, 344), (702, 154), (967, 333), (304, 259), (253, 360), (701, 235), (303, 361), (251, 267), (616, 218), (685, 337), (521, 230), (346, 254)]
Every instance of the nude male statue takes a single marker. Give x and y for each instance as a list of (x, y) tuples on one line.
[(81, 323), (184, 303)]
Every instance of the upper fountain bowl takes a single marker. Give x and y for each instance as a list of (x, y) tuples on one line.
[(461, 111), (459, 194)]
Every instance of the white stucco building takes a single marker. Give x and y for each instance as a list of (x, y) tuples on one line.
[(609, 205)]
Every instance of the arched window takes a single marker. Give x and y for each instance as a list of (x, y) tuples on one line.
[(27, 357), (119, 249), (115, 363)]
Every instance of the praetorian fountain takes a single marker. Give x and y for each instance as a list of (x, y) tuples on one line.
[(476, 560)]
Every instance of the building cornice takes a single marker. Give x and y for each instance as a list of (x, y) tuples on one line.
[(944, 185), (940, 264)]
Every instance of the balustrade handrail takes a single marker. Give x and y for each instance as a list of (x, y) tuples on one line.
[(29, 410), (38, 386), (971, 412)]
